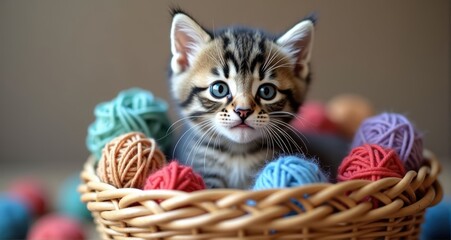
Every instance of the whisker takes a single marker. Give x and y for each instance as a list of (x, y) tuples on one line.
[(268, 144), (281, 65), (279, 129), (271, 65), (269, 59), (201, 125), (277, 138), (208, 144), (295, 131), (280, 114), (283, 57), (197, 144), (169, 131)]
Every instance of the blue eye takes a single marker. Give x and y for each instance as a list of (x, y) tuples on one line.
[(219, 89), (267, 91)]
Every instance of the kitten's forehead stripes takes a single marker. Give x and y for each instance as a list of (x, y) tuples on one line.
[(229, 56), (246, 45)]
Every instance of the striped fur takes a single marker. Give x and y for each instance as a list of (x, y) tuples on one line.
[(237, 90)]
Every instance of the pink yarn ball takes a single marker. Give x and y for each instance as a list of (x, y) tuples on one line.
[(312, 118), (392, 130), (56, 227), (32, 193), (370, 162), (175, 177)]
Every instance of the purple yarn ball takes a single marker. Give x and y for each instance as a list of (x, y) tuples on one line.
[(395, 131)]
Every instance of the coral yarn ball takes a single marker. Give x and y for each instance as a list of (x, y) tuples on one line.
[(133, 110), (15, 218), (313, 118), (175, 177), (128, 159), (56, 227), (348, 111), (370, 162), (31, 192), (289, 171), (392, 130)]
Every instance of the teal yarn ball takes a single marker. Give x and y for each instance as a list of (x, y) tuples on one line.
[(289, 171), (133, 110), (69, 202), (15, 218)]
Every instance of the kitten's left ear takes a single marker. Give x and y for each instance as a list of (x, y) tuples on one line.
[(298, 42)]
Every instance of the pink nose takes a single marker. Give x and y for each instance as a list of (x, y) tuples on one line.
[(243, 113)]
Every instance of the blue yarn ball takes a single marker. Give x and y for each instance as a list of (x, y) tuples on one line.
[(289, 171), (133, 110), (69, 202), (437, 221), (15, 218)]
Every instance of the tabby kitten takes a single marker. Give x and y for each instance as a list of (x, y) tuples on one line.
[(237, 89)]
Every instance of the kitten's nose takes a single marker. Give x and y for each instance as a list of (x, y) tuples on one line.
[(243, 113)]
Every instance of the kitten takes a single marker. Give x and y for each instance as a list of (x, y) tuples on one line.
[(237, 89)]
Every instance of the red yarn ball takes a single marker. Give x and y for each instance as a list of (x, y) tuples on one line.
[(56, 227), (32, 193), (175, 177), (313, 118), (370, 162)]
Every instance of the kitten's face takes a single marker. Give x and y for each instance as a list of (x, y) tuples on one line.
[(239, 83)]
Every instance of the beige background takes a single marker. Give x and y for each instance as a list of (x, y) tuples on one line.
[(58, 59)]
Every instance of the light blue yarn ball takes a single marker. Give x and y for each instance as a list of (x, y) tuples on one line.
[(133, 110), (15, 218), (289, 171), (69, 202), (437, 221)]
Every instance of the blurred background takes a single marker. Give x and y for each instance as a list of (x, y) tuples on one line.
[(58, 59)]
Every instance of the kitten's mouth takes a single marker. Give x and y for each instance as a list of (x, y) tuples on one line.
[(243, 126)]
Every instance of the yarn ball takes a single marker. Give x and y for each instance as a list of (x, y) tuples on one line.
[(348, 111), (68, 199), (56, 227), (132, 110), (289, 171), (312, 118), (175, 176), (370, 162), (392, 130), (127, 160), (437, 221), (32, 193), (15, 218)]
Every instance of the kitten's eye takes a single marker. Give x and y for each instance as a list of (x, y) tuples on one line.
[(219, 89), (267, 91)]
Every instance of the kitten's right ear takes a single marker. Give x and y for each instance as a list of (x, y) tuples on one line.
[(187, 39), (298, 42)]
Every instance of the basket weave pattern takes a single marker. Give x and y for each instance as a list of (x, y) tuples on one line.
[(323, 211)]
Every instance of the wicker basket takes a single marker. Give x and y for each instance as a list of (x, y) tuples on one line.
[(329, 211)]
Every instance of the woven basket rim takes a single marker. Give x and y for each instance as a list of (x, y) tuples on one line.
[(228, 209)]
